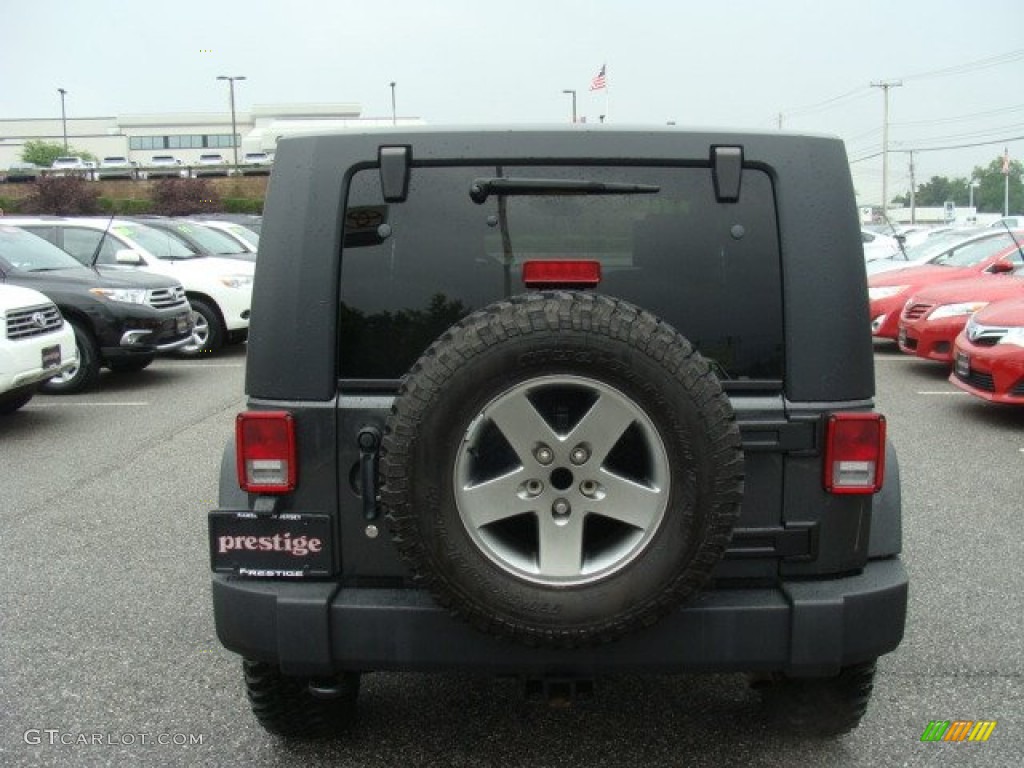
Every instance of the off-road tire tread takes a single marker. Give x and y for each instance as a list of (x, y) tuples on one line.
[(542, 315), (285, 707)]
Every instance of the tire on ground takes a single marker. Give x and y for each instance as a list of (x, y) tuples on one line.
[(84, 375), (209, 334), (285, 706), (561, 469), (820, 707)]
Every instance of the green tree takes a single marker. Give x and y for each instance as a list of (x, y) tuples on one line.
[(988, 197), (937, 191), (43, 153)]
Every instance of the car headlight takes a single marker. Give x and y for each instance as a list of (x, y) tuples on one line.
[(885, 291), (123, 295), (1013, 336), (955, 310), (236, 281)]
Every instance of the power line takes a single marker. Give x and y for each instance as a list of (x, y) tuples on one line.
[(940, 149), (971, 66)]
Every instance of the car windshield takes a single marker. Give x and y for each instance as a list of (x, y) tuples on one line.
[(243, 232), (160, 244), (975, 252), (24, 251), (211, 240)]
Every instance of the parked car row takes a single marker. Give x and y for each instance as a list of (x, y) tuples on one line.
[(128, 290), (962, 306)]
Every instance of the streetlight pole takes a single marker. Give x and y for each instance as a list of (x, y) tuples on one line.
[(63, 118), (971, 186), (234, 128), (573, 92), (394, 115)]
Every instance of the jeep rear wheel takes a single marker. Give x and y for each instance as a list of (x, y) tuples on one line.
[(286, 706), (561, 469), (822, 707)]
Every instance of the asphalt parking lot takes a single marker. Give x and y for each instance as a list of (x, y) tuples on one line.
[(108, 654)]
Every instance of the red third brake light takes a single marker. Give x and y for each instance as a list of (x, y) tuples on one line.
[(265, 447), (561, 273), (854, 453)]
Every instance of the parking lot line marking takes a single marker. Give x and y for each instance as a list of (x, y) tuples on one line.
[(209, 365), (889, 359), (943, 392), (90, 404)]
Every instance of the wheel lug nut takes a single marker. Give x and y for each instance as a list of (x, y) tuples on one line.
[(579, 455), (544, 455), (588, 487), (561, 508), (534, 487)]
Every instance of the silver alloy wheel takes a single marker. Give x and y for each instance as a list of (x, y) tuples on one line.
[(200, 333), (562, 480)]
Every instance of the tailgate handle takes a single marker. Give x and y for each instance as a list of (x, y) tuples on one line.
[(369, 448)]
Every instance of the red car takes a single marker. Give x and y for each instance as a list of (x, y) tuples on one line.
[(889, 291), (989, 354), (932, 319)]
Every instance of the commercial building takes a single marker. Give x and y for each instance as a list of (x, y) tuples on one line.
[(185, 135)]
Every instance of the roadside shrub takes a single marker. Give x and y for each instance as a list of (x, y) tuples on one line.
[(11, 205), (62, 196), (243, 205), (125, 206), (181, 197)]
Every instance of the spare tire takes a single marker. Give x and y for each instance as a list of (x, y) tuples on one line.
[(561, 469)]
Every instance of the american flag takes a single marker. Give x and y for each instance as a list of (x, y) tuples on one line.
[(599, 80)]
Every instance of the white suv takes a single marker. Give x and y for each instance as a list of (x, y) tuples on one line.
[(219, 290), (35, 345)]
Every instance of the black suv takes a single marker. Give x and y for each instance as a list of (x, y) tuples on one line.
[(121, 320), (559, 403)]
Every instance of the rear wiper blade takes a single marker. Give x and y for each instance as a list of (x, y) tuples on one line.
[(481, 189)]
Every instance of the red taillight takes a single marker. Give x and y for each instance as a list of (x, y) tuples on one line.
[(265, 445), (854, 453), (561, 273)]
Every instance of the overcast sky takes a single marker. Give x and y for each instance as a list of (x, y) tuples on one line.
[(730, 63)]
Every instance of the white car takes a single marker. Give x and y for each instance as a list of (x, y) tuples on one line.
[(219, 290), (166, 167), (878, 246), (238, 232), (72, 166), (35, 345), (117, 167), (211, 164)]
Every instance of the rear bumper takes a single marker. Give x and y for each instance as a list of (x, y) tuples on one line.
[(803, 628)]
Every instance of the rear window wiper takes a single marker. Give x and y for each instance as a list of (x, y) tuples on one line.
[(481, 189)]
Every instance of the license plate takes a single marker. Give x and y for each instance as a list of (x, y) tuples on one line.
[(963, 365), (51, 357), (289, 546), (184, 324)]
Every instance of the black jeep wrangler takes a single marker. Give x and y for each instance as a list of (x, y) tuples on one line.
[(558, 403)]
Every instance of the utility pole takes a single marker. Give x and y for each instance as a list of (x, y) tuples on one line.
[(394, 115), (885, 85), (780, 121)]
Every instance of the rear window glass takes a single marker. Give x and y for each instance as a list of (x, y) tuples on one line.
[(711, 270)]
